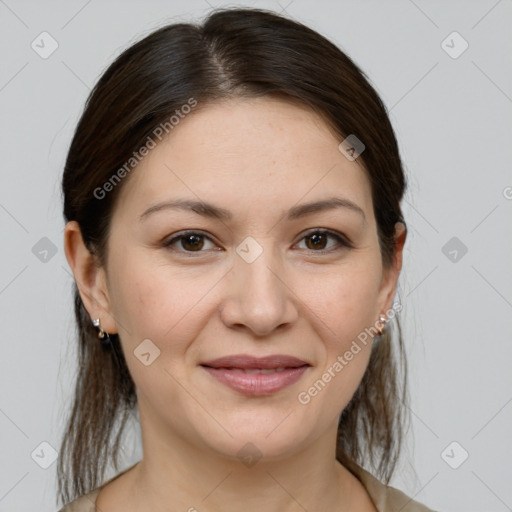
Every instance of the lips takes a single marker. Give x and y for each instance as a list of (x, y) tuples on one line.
[(256, 376), (277, 362)]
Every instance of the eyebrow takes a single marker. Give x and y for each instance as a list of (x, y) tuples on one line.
[(216, 212)]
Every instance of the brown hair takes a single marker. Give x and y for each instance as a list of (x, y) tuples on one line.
[(235, 52)]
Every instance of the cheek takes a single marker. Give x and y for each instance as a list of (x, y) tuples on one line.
[(152, 303), (139, 292), (344, 300), (162, 303), (343, 304)]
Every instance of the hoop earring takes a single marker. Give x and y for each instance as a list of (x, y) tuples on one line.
[(102, 335)]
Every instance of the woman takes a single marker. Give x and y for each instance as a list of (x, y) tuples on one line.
[(232, 197)]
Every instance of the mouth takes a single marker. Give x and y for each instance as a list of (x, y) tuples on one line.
[(248, 362), (253, 376), (263, 371)]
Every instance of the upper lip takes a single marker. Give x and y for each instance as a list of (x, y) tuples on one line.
[(244, 361)]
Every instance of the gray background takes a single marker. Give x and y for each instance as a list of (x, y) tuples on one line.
[(453, 120)]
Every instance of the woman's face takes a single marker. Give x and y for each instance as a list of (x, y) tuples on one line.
[(253, 279)]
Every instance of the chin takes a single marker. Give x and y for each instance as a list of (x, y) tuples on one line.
[(253, 443)]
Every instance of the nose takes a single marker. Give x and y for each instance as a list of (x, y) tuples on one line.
[(257, 296)]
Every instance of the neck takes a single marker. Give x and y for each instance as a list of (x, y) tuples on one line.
[(184, 476)]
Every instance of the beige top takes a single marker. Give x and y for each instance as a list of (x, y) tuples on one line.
[(385, 498)]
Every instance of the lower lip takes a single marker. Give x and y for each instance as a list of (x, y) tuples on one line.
[(257, 384)]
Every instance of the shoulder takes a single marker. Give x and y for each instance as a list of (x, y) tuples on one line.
[(385, 497), (85, 503)]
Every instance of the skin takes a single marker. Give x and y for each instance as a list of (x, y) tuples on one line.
[(257, 158)]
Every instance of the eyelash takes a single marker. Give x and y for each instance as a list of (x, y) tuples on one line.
[(344, 243)]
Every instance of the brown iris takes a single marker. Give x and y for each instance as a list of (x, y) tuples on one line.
[(318, 239), (192, 242)]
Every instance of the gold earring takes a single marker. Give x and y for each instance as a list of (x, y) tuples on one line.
[(382, 322)]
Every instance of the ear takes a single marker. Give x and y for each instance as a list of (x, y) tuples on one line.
[(90, 277), (390, 276)]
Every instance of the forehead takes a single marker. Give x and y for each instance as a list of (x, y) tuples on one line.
[(251, 151)]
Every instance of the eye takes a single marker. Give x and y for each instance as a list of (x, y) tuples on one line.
[(197, 242), (190, 241), (316, 241)]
